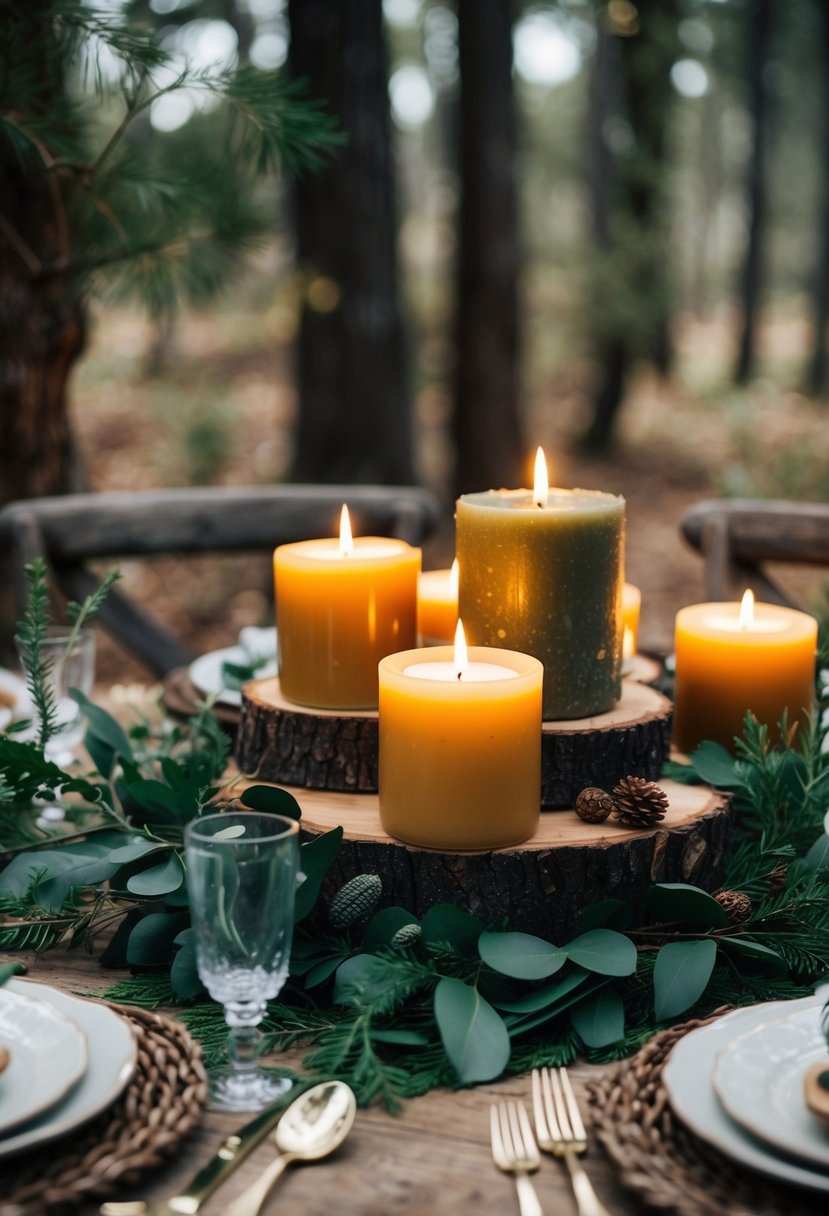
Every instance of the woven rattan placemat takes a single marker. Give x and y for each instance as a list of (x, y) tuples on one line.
[(664, 1163), (162, 1103)]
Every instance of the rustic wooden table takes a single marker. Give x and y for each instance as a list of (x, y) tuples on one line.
[(432, 1157)]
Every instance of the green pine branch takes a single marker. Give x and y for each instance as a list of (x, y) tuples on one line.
[(32, 632)]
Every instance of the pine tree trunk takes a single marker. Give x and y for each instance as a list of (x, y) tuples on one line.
[(759, 44), (355, 420), (487, 426), (816, 379)]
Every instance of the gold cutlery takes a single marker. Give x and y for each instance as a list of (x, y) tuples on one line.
[(514, 1151), (560, 1130), (313, 1127)]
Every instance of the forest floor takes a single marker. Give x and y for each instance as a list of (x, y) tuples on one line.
[(219, 410)]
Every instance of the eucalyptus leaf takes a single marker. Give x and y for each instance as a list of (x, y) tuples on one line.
[(473, 1034), (400, 1038), (715, 765), (54, 872), (755, 951), (522, 956), (680, 976), (361, 980), (384, 924), (184, 975), (322, 971), (161, 879), (606, 913), (817, 857), (448, 924), (683, 774), (543, 998), (271, 800), (103, 725), (315, 860), (599, 1020), (603, 951), (151, 941), (670, 902), (9, 970)]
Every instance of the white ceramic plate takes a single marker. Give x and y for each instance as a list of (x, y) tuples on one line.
[(758, 1078), (687, 1078), (112, 1055), (48, 1055), (206, 670), (15, 701)]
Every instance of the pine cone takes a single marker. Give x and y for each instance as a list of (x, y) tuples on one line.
[(735, 904), (639, 803), (777, 878), (594, 805)]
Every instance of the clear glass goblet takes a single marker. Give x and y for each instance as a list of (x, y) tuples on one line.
[(242, 871), (68, 660)]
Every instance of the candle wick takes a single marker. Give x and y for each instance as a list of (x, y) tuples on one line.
[(460, 673)]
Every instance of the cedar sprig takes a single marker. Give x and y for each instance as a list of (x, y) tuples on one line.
[(32, 631)]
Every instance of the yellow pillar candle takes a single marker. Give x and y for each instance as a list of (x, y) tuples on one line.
[(340, 607), (631, 605), (460, 756), (437, 605), (541, 572), (729, 660)]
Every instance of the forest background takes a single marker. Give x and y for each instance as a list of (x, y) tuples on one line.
[(598, 226)]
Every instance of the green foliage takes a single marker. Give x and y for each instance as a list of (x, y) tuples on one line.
[(32, 632), (164, 219)]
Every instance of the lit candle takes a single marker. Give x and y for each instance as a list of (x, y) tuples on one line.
[(631, 605), (341, 605), (541, 572), (731, 658), (437, 604), (460, 746)]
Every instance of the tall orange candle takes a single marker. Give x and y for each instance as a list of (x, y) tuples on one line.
[(437, 605), (460, 747), (732, 658), (340, 607)]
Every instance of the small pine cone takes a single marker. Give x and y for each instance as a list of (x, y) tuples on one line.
[(639, 803), (735, 904), (594, 805), (777, 878), (406, 935), (355, 902)]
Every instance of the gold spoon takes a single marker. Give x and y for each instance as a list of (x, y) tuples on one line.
[(311, 1128)]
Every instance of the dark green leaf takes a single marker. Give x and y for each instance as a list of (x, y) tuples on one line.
[(680, 976), (271, 800), (603, 951), (135, 848), (103, 756), (817, 857), (755, 951), (156, 799), (158, 880), (671, 902), (542, 998), (383, 926), (174, 774), (683, 774), (104, 726), (474, 1036), (151, 941), (599, 1019), (184, 975), (715, 765), (315, 860), (521, 955), (9, 970), (361, 980), (400, 1038), (322, 971), (58, 870), (445, 923), (610, 913), (115, 951)]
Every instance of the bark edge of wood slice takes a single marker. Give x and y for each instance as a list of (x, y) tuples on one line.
[(336, 750), (543, 884)]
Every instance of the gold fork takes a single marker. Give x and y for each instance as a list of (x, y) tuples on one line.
[(514, 1150), (560, 1130)]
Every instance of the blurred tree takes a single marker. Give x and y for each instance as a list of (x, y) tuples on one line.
[(631, 104), (758, 43), (486, 424), (818, 371), (355, 415), (80, 206)]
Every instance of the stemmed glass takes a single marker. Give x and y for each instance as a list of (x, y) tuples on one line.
[(242, 870)]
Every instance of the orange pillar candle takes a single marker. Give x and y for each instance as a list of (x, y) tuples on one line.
[(340, 607), (460, 747), (437, 605), (732, 658)]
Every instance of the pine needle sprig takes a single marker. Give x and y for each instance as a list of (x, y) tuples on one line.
[(32, 632)]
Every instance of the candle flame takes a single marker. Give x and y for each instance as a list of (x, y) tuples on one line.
[(453, 577), (461, 656), (746, 618), (541, 484), (346, 539), (627, 644)]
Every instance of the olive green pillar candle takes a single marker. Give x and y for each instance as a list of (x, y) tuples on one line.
[(547, 580)]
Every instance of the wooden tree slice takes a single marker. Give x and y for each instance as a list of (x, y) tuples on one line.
[(631, 740), (543, 884), (337, 750)]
